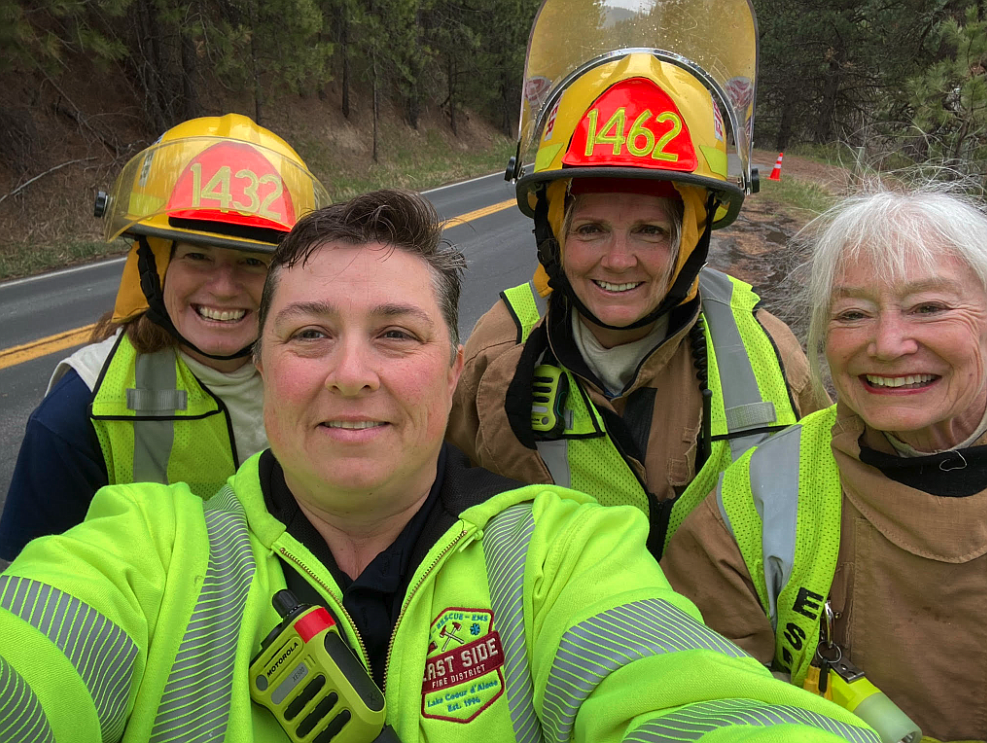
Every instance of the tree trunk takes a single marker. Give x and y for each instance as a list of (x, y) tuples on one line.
[(147, 60), (827, 110), (787, 120), (506, 109), (189, 72), (452, 96), (414, 108), (376, 114), (258, 84), (344, 36)]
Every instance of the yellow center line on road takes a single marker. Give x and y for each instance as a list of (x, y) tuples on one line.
[(51, 344), (60, 341), (470, 216)]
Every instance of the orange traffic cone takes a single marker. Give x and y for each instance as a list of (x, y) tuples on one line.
[(776, 170)]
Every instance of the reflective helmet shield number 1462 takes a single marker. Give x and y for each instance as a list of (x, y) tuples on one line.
[(634, 123)]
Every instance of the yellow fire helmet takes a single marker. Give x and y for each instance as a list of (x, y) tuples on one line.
[(637, 89), (219, 181)]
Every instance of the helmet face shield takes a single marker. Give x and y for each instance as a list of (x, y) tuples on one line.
[(214, 191), (702, 54)]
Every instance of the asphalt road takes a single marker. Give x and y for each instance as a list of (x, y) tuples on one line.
[(499, 249)]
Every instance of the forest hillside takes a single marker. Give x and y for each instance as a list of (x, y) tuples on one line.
[(421, 92)]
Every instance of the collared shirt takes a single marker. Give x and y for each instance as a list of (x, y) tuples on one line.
[(374, 598)]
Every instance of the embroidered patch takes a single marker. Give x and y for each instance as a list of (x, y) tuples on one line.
[(463, 673)]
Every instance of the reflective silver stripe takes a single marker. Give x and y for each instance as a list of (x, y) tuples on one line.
[(153, 439), (742, 402), (22, 720), (156, 401), (743, 444), (555, 454), (696, 720), (102, 653), (774, 476), (596, 647), (195, 705), (505, 547)]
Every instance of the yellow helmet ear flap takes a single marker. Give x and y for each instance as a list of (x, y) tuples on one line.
[(131, 301), (556, 193), (540, 280), (693, 225)]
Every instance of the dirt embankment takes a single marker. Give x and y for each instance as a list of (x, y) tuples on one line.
[(758, 247)]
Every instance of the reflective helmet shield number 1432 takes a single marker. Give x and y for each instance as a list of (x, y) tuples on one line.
[(254, 195)]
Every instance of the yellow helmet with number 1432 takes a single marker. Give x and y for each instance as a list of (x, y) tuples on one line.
[(219, 181)]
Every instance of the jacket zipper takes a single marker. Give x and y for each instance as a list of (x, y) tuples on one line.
[(411, 593), (338, 599)]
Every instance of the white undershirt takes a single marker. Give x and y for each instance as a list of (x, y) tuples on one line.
[(243, 394), (615, 367)]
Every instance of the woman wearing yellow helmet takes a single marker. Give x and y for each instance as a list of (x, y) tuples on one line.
[(166, 391), (587, 376)]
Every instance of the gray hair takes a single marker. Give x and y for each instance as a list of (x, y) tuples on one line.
[(887, 229)]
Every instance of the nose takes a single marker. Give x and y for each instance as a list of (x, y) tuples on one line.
[(619, 254), (893, 338), (225, 280), (352, 371)]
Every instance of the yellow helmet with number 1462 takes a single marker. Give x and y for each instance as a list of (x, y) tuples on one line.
[(646, 90)]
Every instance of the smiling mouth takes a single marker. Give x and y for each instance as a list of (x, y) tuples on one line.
[(353, 425), (217, 315), (910, 382), (606, 285)]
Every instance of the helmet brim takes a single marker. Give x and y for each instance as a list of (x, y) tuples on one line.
[(730, 194)]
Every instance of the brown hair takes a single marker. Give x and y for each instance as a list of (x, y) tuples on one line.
[(144, 335), (402, 220)]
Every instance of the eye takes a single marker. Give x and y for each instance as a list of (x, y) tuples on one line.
[(653, 233), (587, 229), (397, 334), (928, 308), (255, 263), (309, 334), (196, 256), (849, 316)]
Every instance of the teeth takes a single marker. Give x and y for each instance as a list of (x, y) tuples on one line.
[(354, 424), (616, 287), (899, 381), (222, 315)]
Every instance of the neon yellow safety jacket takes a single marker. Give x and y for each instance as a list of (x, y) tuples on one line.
[(157, 423), (782, 503), (749, 402), (139, 625)]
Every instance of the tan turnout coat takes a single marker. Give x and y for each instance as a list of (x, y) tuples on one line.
[(910, 589), (668, 428)]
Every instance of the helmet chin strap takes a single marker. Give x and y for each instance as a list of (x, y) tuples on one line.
[(156, 311), (549, 256)]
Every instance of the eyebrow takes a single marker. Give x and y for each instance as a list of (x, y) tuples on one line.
[(328, 309), (905, 289)]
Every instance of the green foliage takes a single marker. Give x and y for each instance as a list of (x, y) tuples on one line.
[(950, 96), (836, 70)]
